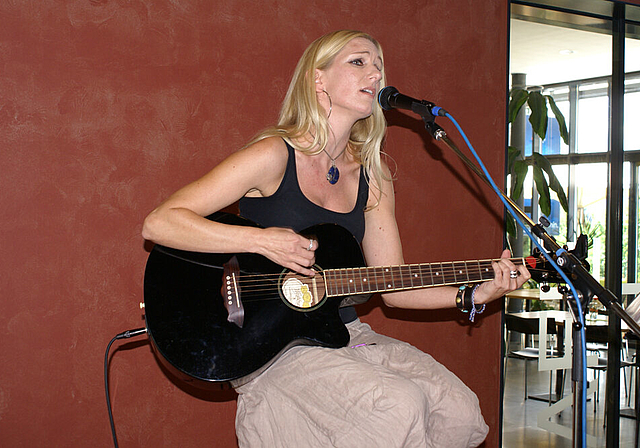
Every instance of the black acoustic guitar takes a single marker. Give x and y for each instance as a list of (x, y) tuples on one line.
[(219, 317)]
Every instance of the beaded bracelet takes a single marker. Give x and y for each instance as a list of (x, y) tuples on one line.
[(465, 301)]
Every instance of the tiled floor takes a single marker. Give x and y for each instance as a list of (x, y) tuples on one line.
[(520, 428)]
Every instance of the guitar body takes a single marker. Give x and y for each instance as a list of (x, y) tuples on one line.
[(221, 317), (187, 321)]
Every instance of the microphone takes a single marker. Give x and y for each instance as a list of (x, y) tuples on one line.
[(389, 98)]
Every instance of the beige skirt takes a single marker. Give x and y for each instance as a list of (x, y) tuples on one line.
[(376, 392)]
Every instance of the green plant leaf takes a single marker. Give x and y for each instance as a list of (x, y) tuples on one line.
[(544, 201), (520, 169), (518, 98), (538, 118), (510, 225), (562, 124), (554, 183), (513, 154)]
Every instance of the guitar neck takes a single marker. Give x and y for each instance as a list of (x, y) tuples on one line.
[(348, 281)]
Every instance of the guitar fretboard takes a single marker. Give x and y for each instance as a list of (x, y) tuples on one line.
[(347, 281)]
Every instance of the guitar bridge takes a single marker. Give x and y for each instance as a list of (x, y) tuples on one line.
[(231, 292)]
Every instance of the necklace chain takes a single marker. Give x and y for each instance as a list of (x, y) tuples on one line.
[(333, 159)]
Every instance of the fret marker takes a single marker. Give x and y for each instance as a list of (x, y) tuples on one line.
[(350, 280), (389, 286), (364, 279), (437, 273)]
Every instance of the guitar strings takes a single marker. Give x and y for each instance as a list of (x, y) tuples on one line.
[(270, 294), (264, 283), (446, 267), (446, 271)]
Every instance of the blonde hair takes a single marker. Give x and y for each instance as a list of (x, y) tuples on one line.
[(302, 115)]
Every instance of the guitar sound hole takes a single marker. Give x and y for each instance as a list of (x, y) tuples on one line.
[(301, 292)]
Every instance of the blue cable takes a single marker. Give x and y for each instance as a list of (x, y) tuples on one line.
[(552, 262)]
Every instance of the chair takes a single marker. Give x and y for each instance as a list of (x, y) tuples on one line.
[(596, 339), (632, 340), (529, 327), (601, 367)]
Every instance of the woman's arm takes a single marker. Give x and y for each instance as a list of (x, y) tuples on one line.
[(382, 247), (257, 171)]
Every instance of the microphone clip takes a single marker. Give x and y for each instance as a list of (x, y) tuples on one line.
[(390, 98)]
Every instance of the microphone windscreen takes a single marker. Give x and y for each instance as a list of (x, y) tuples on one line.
[(384, 95)]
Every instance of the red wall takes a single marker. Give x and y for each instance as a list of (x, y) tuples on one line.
[(108, 106)]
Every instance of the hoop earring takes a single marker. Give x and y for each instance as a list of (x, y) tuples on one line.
[(330, 103)]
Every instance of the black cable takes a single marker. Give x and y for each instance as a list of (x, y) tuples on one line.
[(127, 334)]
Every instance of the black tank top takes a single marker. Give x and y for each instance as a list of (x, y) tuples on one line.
[(289, 207)]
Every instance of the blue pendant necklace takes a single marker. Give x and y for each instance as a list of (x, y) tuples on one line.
[(334, 173)]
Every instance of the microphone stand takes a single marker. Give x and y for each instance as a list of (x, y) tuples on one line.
[(586, 285)]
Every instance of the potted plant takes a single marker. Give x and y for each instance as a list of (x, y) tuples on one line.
[(543, 175)]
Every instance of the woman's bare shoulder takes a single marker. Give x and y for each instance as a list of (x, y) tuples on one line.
[(267, 147), (266, 160)]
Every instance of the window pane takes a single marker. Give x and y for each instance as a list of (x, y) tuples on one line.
[(591, 211), (630, 252), (631, 116), (558, 217), (593, 123), (632, 49), (626, 222), (554, 144)]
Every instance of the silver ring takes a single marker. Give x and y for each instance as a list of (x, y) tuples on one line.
[(310, 244), (514, 274)]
